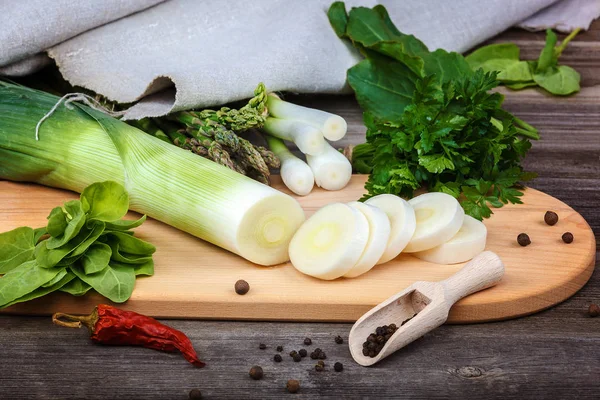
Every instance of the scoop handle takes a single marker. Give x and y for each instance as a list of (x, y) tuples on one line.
[(483, 271)]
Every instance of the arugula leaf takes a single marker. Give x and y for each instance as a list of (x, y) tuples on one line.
[(24, 279), (383, 87), (57, 222), (105, 201), (75, 287), (75, 218), (338, 17), (17, 247), (96, 258), (115, 282), (561, 80), (124, 225), (44, 290), (517, 74), (547, 57), (373, 29)]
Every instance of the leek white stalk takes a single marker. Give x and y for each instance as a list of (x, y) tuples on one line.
[(331, 169), (379, 234), (332, 126), (330, 242), (308, 138), (466, 244), (80, 146), (439, 218), (402, 220), (295, 173)]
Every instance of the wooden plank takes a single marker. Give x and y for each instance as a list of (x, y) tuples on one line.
[(194, 279)]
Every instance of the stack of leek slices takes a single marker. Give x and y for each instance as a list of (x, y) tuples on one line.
[(348, 239)]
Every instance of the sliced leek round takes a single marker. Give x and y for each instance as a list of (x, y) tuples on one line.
[(402, 221), (466, 244), (439, 218), (330, 242), (379, 234)]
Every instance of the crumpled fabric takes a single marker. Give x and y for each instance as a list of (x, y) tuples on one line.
[(564, 16), (183, 54)]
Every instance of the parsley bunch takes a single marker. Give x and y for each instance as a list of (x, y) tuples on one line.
[(431, 120)]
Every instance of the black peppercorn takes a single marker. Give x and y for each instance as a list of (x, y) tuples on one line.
[(321, 362), (318, 350), (322, 356), (365, 352), (303, 353), (242, 287), (319, 367), (293, 353), (292, 386), (523, 239), (256, 373), (307, 342), (195, 394), (314, 355), (594, 310), (567, 237), (297, 357), (551, 218), (262, 346), (277, 358), (338, 367), (339, 340), (280, 348)]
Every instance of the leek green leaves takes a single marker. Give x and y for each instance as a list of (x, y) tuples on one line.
[(88, 247)]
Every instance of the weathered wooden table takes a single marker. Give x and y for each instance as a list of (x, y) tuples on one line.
[(552, 355)]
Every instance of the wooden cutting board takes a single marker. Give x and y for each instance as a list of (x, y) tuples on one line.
[(194, 279)]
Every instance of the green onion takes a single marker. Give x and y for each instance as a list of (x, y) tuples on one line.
[(295, 173), (79, 146)]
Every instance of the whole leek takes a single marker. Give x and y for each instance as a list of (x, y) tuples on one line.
[(80, 146)]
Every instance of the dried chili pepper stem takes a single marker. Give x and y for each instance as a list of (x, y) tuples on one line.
[(110, 325)]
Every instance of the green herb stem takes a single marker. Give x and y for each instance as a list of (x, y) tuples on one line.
[(563, 44)]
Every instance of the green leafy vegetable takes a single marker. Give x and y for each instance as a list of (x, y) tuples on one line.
[(76, 256), (516, 74), (75, 287), (115, 282), (431, 120), (24, 279), (106, 201), (17, 247)]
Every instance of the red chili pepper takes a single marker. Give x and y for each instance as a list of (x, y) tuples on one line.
[(110, 325)]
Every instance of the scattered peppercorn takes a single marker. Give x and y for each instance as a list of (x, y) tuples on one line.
[(314, 355), (277, 358), (262, 346), (319, 367), (551, 218), (567, 237), (293, 353), (256, 373), (339, 340), (280, 348), (322, 356), (303, 353), (321, 363), (297, 357), (594, 310), (195, 394), (307, 342), (292, 386), (376, 340), (242, 287), (318, 354), (523, 239), (338, 367)]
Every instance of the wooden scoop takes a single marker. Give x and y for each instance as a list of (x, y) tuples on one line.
[(431, 301)]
